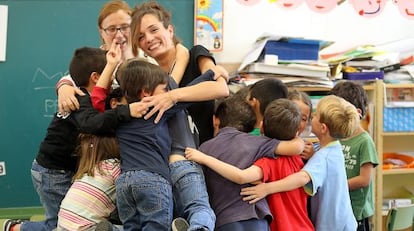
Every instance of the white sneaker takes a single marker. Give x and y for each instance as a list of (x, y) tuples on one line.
[(179, 224)]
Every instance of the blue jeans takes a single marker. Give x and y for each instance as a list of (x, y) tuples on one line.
[(190, 195), (51, 185), (144, 201), (246, 225)]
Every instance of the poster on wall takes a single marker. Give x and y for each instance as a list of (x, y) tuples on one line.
[(208, 25), (3, 32)]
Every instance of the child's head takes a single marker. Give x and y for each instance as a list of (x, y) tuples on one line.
[(353, 93), (305, 105), (138, 78), (113, 99), (235, 112), (265, 91), (281, 119), (337, 115), (86, 62), (94, 149)]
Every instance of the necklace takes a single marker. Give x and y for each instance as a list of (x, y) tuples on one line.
[(172, 67)]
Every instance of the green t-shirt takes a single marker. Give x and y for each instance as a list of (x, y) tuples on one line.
[(357, 151), (255, 132)]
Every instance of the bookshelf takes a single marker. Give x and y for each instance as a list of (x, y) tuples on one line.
[(390, 183)]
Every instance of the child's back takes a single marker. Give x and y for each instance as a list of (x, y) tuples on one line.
[(288, 208), (225, 195)]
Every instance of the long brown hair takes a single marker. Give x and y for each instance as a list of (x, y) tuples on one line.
[(154, 8), (92, 150)]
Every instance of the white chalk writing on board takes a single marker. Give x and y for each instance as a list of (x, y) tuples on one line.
[(39, 76)]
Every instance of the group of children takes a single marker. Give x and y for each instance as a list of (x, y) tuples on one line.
[(338, 175), (123, 162)]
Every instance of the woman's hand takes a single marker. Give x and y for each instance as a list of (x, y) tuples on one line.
[(138, 109), (161, 103), (67, 100)]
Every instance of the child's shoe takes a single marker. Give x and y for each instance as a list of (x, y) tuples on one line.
[(180, 224), (104, 226), (9, 223)]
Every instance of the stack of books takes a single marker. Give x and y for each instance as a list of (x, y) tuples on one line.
[(293, 60)]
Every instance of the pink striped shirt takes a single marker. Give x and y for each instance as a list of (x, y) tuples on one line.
[(90, 199)]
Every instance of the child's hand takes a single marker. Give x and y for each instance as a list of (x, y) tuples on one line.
[(254, 194), (114, 55), (307, 151), (138, 109), (194, 155)]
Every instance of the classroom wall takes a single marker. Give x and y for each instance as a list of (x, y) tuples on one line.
[(41, 38), (244, 23)]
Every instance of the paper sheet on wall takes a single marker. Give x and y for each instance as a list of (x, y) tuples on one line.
[(3, 32), (209, 24)]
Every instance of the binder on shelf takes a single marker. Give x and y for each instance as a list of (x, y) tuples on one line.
[(363, 75), (293, 49)]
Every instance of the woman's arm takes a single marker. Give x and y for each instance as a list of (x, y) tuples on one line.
[(181, 62), (207, 90), (205, 63), (228, 171), (260, 191), (67, 92)]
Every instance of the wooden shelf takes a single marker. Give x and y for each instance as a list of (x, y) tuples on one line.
[(398, 171), (399, 85), (398, 133)]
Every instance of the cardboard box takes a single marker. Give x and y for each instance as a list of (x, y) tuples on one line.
[(398, 119)]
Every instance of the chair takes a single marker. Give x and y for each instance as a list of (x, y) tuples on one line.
[(400, 218)]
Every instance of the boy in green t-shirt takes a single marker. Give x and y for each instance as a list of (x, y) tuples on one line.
[(360, 156)]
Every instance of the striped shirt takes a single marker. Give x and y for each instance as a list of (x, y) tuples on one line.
[(90, 199)]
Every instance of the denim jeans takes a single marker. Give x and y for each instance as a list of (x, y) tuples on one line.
[(51, 185), (144, 201), (190, 195), (246, 225)]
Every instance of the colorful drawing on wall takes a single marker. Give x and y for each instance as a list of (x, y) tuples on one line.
[(322, 6), (248, 2), (287, 4), (406, 8), (209, 24), (368, 8)]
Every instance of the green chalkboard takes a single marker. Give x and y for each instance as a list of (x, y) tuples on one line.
[(41, 38)]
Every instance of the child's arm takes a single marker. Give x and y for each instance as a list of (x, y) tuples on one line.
[(230, 172), (182, 57), (364, 178), (290, 147), (260, 191), (207, 90), (99, 92), (308, 150)]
